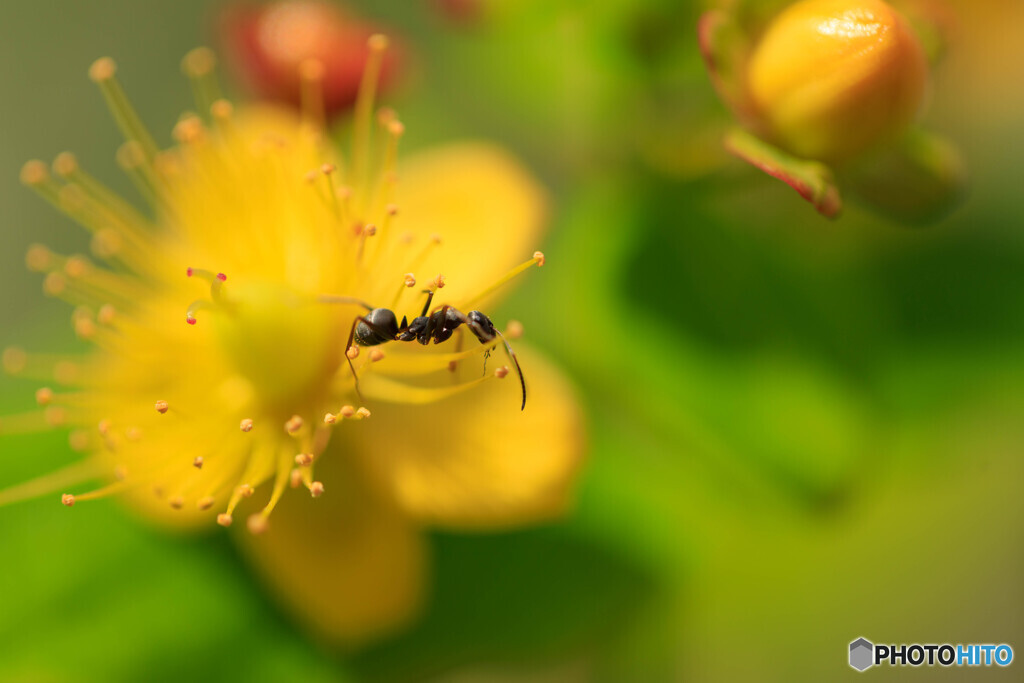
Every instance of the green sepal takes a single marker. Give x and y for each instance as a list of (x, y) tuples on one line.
[(725, 47), (812, 179)]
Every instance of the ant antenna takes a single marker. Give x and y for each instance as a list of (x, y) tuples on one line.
[(515, 361)]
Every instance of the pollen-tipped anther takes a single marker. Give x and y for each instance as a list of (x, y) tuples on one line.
[(199, 61), (245, 490), (38, 258), (438, 282), (44, 396), (304, 459), (376, 355), (34, 173), (330, 418), (54, 284), (502, 372), (65, 164), (352, 352), (295, 478), (161, 407), (221, 110), (197, 462), (347, 411), (245, 425), (410, 280), (293, 425), (257, 523), (176, 503), (67, 499), (316, 489), (105, 316), (224, 519), (514, 329), (362, 413), (206, 502), (311, 69), (188, 129), (539, 255), (102, 69)]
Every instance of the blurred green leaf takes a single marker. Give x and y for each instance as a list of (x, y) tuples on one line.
[(518, 597)]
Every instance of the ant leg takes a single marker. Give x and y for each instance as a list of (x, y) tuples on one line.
[(481, 334), (348, 345), (351, 336), (430, 297), (454, 365)]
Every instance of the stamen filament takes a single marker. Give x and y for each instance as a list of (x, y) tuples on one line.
[(284, 470), (67, 477), (311, 93), (44, 367), (103, 72), (390, 391), (200, 65), (361, 129), (128, 219), (104, 491), (414, 363), (537, 260), (131, 159)]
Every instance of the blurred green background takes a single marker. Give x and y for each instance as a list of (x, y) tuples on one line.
[(801, 431)]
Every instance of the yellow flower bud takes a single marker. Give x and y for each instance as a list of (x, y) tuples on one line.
[(831, 78)]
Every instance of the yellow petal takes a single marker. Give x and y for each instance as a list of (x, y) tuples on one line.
[(348, 564), (475, 461), (485, 206)]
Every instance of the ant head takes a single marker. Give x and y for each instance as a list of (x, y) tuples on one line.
[(481, 326), (377, 327)]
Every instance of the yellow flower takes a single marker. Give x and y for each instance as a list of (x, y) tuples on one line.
[(831, 78), (272, 235)]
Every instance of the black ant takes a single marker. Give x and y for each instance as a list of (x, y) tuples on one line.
[(380, 325)]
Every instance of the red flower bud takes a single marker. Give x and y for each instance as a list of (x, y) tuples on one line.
[(267, 43)]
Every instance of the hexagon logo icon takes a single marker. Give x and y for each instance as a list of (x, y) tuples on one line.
[(862, 654)]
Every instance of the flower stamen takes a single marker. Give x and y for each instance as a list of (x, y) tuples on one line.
[(103, 72), (537, 260), (258, 522), (200, 65), (361, 129), (311, 93)]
